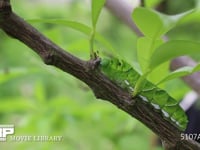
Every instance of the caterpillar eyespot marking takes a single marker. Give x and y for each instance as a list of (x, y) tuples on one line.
[(125, 76)]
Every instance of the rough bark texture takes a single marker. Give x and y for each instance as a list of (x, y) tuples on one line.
[(88, 72)]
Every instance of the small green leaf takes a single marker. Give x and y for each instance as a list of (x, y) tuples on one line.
[(152, 3), (97, 5), (177, 73), (192, 18), (158, 73), (145, 48), (154, 24), (148, 21), (184, 71), (76, 26), (172, 49), (170, 21), (72, 24), (196, 68)]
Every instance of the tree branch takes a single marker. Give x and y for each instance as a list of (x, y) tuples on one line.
[(123, 10), (88, 72)]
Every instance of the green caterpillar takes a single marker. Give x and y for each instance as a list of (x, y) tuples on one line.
[(125, 76)]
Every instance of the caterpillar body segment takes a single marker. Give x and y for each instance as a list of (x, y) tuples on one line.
[(125, 76)]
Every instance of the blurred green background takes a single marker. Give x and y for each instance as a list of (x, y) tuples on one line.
[(42, 100)]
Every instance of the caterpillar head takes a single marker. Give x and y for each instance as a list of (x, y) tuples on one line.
[(105, 62)]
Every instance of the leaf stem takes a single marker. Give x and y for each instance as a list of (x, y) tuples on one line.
[(91, 42), (140, 83)]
